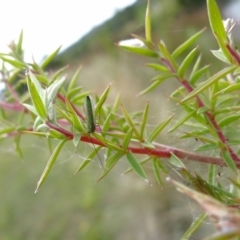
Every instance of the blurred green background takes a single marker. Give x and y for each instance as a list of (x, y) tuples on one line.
[(119, 207)]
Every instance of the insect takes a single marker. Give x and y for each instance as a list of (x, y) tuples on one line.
[(90, 123)]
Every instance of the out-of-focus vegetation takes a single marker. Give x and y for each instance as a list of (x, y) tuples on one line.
[(76, 207)]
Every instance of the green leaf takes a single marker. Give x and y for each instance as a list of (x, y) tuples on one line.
[(142, 163), (152, 86), (136, 166), (231, 88), (158, 129), (75, 119), (38, 121), (19, 44), (164, 76), (74, 80), (144, 120), (211, 174), (228, 160), (209, 82), (80, 97), (50, 164), (131, 124), (194, 226), (217, 27), (207, 147), (46, 62), (53, 90), (36, 96), (110, 164), (36, 83), (101, 101), (202, 110), (163, 49), (220, 55), (194, 77), (74, 91), (181, 121), (17, 145), (30, 108), (106, 123), (175, 161), (14, 63), (5, 130), (148, 32), (127, 139), (187, 44), (228, 120), (236, 184), (155, 165), (141, 51), (109, 144), (215, 20), (38, 134), (56, 134), (186, 62), (179, 92), (59, 73), (51, 112), (88, 159), (116, 104), (157, 67)]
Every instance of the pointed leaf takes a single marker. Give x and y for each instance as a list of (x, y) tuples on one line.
[(187, 44), (50, 164), (131, 124), (74, 79), (225, 121), (101, 101), (19, 44), (228, 160), (30, 108), (110, 164), (152, 86), (181, 121), (217, 27), (142, 163), (53, 89), (159, 128), (157, 67), (163, 49), (198, 74), (136, 166), (88, 159), (36, 99), (186, 62), (148, 32), (141, 51), (50, 58), (144, 120), (230, 88), (75, 119), (211, 174), (194, 226), (174, 160), (156, 171), (127, 139), (14, 63), (209, 82)]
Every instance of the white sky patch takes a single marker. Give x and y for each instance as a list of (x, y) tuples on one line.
[(48, 24)]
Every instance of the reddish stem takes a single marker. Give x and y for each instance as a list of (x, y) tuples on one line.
[(209, 115)]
